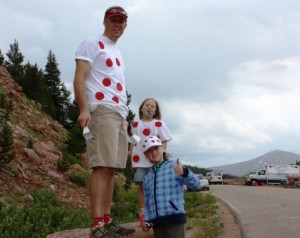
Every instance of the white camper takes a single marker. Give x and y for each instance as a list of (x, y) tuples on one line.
[(273, 174)]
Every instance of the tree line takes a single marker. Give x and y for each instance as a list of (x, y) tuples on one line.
[(42, 85)]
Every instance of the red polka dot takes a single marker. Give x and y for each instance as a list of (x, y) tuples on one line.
[(101, 45), (158, 136), (115, 99), (118, 62), (158, 124), (136, 158), (99, 96), (109, 63), (106, 82), (135, 124), (119, 87), (146, 132)]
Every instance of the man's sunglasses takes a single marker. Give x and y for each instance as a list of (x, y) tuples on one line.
[(116, 11)]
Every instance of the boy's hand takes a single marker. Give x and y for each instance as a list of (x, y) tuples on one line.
[(178, 168)]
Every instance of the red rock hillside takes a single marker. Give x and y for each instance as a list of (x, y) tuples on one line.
[(35, 169)]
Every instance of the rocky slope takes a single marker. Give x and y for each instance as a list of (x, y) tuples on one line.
[(35, 168)]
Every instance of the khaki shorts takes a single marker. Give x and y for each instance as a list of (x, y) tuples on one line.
[(109, 147)]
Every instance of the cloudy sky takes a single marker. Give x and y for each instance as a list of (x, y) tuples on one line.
[(225, 72)]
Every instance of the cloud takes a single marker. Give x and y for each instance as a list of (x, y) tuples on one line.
[(24, 24), (258, 105)]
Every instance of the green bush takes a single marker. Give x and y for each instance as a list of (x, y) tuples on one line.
[(80, 178), (7, 153), (44, 216), (126, 205), (30, 143), (67, 160)]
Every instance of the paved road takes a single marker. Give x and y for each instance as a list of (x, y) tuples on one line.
[(263, 211)]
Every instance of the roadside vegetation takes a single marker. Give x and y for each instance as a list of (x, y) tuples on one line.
[(46, 214)]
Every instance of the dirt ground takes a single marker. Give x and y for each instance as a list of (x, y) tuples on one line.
[(231, 227)]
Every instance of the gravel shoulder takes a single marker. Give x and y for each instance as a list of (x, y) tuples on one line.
[(230, 225)]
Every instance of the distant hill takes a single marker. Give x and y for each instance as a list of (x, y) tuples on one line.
[(277, 157)]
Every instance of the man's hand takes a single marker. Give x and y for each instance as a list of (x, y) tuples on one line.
[(178, 168), (84, 119)]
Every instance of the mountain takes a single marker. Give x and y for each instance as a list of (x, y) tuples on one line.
[(277, 157)]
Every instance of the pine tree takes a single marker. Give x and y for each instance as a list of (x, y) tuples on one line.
[(6, 144), (73, 113), (52, 79), (35, 87), (129, 174), (14, 63), (130, 115), (65, 102), (59, 94), (75, 142), (6, 135), (6, 105), (1, 58)]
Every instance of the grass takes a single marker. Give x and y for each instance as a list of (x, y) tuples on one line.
[(201, 211), (46, 214), (37, 219)]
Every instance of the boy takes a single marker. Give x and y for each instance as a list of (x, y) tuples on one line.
[(164, 192)]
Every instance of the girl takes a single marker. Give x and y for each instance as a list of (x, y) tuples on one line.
[(148, 124)]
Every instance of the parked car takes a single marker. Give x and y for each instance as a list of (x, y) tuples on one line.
[(215, 177), (204, 184)]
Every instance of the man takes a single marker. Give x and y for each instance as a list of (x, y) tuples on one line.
[(100, 92), (164, 193)]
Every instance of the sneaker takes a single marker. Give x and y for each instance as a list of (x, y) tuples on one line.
[(122, 231), (101, 232)]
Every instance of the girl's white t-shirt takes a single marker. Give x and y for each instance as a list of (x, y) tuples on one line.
[(143, 129)]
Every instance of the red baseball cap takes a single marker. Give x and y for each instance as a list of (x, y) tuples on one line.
[(116, 11)]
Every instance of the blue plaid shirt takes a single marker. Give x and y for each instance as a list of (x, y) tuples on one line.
[(164, 193)]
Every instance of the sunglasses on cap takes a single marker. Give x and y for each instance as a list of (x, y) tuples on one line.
[(116, 11)]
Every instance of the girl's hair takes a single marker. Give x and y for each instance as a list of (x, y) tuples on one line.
[(157, 114)]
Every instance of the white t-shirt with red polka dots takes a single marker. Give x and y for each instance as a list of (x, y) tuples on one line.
[(105, 84), (143, 129)]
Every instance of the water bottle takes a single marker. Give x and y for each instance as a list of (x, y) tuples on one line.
[(87, 134)]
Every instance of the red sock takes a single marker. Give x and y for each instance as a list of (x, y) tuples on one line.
[(107, 218), (97, 220)]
